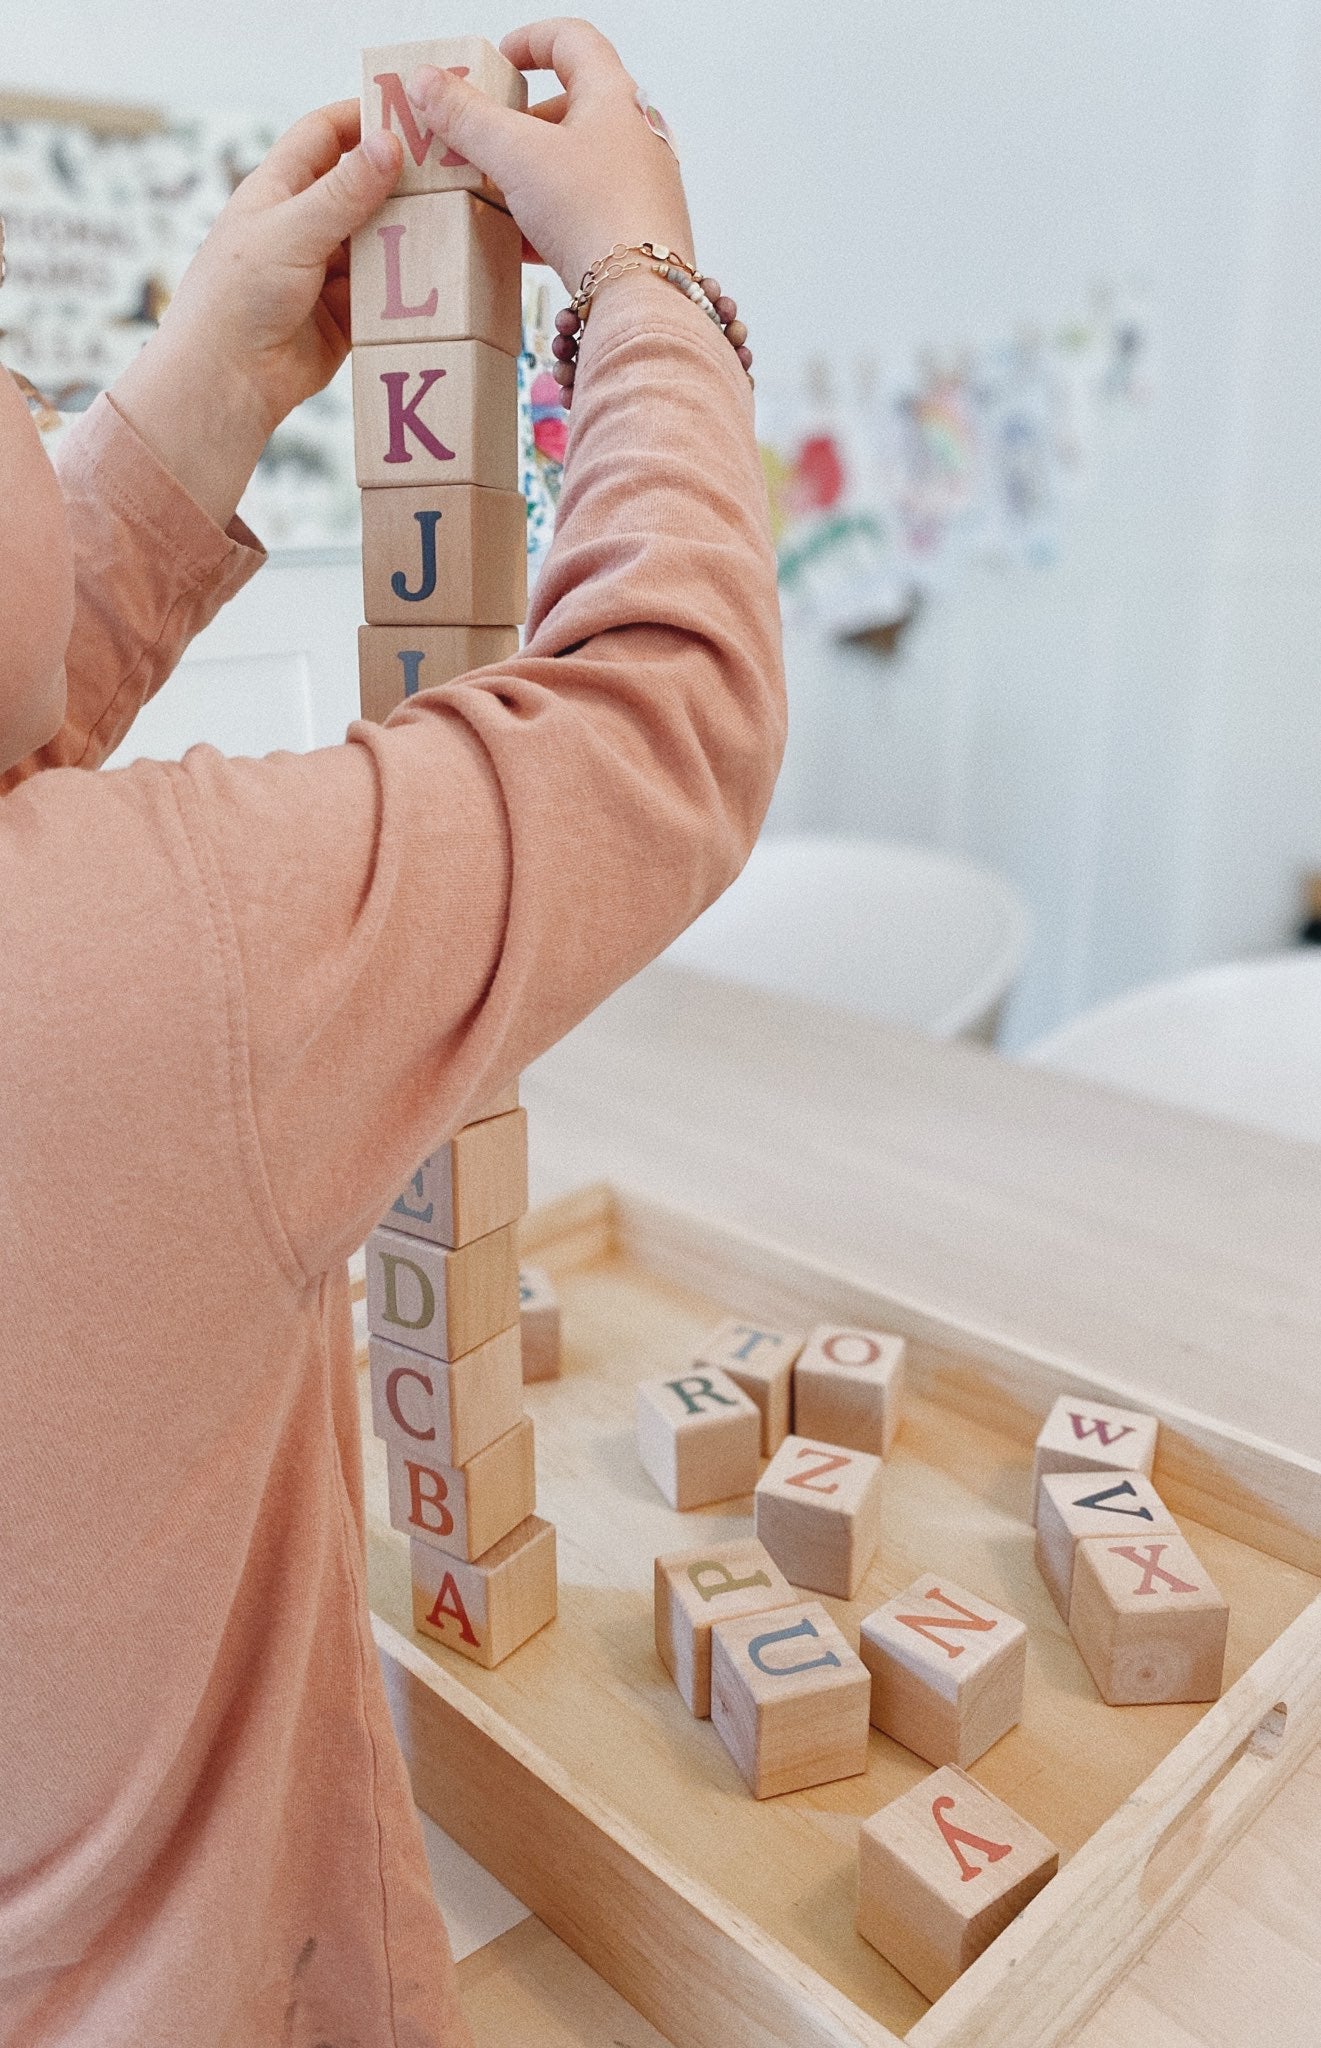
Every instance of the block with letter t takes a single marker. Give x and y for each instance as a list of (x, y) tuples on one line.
[(760, 1360)]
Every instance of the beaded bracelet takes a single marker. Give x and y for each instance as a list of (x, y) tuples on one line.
[(676, 270)]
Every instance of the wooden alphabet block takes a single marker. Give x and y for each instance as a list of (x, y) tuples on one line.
[(454, 555), (438, 1301), (760, 1360), (435, 412), (1073, 1505), (441, 266), (694, 1589), (468, 1188), (464, 1509), (697, 1437), (1149, 1624), (788, 1699), (947, 1670), (539, 1318), (487, 1609), (429, 164), (1084, 1436), (818, 1511), (848, 1388), (395, 662), (449, 1412), (942, 1870)]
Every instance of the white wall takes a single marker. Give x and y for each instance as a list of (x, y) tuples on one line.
[(1134, 737)]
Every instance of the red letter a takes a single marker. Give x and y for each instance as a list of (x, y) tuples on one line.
[(992, 1851), (449, 1601)]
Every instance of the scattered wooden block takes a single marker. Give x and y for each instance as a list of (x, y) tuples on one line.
[(697, 1437), (539, 1319), (1149, 1624), (818, 1511), (487, 1609), (1085, 1436), (942, 1870), (789, 1699), (429, 165), (453, 555), (449, 1412), (464, 1509), (947, 1670), (760, 1360), (395, 662), (1073, 1505), (468, 1188), (441, 1302), (435, 412), (694, 1589), (848, 1388), (442, 266)]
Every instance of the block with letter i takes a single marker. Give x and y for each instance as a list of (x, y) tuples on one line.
[(697, 1436), (1149, 1623), (947, 1670), (788, 1699), (1087, 1436), (941, 1871), (396, 662), (818, 1511), (693, 1589), (487, 1609)]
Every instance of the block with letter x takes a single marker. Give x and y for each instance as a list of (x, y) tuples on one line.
[(818, 1511), (1149, 1623), (1087, 1436), (947, 1670)]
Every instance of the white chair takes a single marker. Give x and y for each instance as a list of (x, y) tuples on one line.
[(899, 932), (1242, 1042)]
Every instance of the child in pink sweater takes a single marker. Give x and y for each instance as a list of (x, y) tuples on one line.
[(241, 999)]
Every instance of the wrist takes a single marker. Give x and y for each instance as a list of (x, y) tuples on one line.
[(199, 414)]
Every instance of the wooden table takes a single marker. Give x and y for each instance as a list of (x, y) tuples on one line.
[(1173, 1253)]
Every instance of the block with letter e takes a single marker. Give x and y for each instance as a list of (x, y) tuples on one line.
[(1074, 1505), (697, 1437), (942, 1870), (848, 1388), (818, 1511), (464, 1509), (438, 1301), (760, 1360), (444, 266), (430, 165), (947, 1670), (435, 412), (694, 1589), (448, 555), (396, 662), (789, 1699), (1149, 1623), (487, 1609), (445, 1411), (1090, 1436), (475, 1184)]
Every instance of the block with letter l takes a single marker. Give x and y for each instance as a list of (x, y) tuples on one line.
[(443, 266), (437, 1301)]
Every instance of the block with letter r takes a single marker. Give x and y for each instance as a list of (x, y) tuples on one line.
[(698, 1437)]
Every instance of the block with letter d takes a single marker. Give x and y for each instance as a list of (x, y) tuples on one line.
[(445, 1411), (693, 1589), (448, 555), (487, 1609), (947, 1670), (443, 266), (464, 1509), (430, 165), (818, 1511), (437, 1301), (698, 1436), (789, 1699), (396, 662)]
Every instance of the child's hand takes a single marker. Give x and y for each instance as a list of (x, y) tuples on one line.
[(589, 172)]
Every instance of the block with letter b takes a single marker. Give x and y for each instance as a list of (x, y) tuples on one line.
[(1149, 1623), (760, 1360), (449, 1412), (789, 1699), (1075, 1505), (464, 1509), (444, 266), (430, 165), (697, 1437), (539, 1321), (947, 1670), (487, 1609), (696, 1588), (396, 662), (468, 1188), (848, 1388), (435, 412), (1086, 1436), (942, 1870), (438, 1301), (451, 555), (818, 1511)]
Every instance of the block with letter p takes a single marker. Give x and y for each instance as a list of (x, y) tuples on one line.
[(789, 1699), (464, 1509), (947, 1670), (1087, 1436), (818, 1511), (435, 412), (450, 1412), (396, 662), (696, 1588), (487, 1609), (430, 165), (697, 1437), (437, 1301), (448, 555), (1149, 1623)]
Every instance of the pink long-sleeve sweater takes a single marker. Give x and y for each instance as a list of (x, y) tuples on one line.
[(241, 998)]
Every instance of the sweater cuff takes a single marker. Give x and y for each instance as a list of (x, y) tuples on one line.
[(639, 303)]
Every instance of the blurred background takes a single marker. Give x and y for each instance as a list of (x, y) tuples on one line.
[(1034, 294)]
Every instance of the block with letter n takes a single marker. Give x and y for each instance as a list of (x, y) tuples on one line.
[(947, 1670), (1092, 1436), (487, 1609), (818, 1511)]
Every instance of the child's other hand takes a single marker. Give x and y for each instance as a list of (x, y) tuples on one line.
[(588, 172)]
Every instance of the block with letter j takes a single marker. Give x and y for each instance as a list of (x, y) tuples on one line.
[(446, 555)]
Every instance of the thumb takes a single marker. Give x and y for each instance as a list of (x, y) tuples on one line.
[(316, 221), (477, 127)]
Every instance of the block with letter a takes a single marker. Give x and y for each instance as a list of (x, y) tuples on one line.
[(947, 1670), (487, 1609), (441, 1302), (818, 1511), (447, 1411), (453, 555), (429, 164), (760, 1360), (468, 1188), (1086, 1436), (435, 412), (693, 1589), (1074, 1505), (788, 1699), (848, 1388), (697, 1436), (942, 1870), (464, 1509), (443, 266), (1149, 1623)]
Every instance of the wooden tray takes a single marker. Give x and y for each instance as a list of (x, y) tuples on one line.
[(575, 1773)]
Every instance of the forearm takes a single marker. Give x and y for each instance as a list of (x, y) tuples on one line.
[(200, 418)]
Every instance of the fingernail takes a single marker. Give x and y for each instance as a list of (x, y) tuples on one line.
[(378, 146), (422, 83)]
